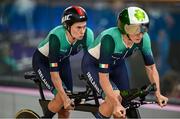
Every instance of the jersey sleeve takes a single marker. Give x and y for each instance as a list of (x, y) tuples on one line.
[(54, 46), (147, 51), (106, 51)]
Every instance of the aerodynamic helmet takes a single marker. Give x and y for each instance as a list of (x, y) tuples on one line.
[(133, 20), (72, 15)]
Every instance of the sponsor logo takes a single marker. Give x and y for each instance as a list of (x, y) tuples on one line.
[(43, 79), (93, 82), (65, 18)]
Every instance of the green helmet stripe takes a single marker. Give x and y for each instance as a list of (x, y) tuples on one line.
[(123, 19)]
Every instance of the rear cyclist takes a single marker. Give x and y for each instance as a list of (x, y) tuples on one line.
[(51, 59), (104, 63)]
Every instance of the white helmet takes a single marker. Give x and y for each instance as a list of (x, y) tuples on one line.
[(133, 20)]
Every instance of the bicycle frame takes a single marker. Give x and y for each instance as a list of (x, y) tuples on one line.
[(90, 95)]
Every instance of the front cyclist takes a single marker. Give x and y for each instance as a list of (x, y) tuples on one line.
[(51, 59), (104, 64)]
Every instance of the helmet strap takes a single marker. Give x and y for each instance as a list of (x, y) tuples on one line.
[(129, 37), (69, 30)]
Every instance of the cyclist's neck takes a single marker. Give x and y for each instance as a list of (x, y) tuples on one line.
[(127, 41)]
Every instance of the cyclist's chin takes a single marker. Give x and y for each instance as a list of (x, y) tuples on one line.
[(80, 37), (137, 40)]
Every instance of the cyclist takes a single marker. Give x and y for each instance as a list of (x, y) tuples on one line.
[(51, 58), (104, 63)]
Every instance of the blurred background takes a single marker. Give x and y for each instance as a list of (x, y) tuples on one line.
[(24, 23)]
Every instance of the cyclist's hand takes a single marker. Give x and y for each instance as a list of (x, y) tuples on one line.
[(69, 104), (162, 100), (119, 111)]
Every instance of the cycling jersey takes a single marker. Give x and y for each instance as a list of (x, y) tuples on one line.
[(107, 55), (109, 47), (56, 46), (52, 55)]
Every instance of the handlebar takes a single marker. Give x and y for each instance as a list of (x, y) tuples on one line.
[(132, 94), (149, 89), (129, 95)]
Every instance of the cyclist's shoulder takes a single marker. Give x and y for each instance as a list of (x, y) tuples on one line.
[(146, 35), (58, 30), (112, 34), (89, 31), (111, 30), (146, 38), (60, 27)]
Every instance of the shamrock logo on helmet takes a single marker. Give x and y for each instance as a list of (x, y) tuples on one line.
[(140, 16)]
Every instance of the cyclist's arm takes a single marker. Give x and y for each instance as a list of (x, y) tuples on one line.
[(107, 88), (54, 46), (149, 62), (153, 76), (58, 85), (106, 51), (152, 70)]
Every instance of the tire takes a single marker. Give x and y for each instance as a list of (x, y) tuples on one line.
[(133, 113), (26, 113)]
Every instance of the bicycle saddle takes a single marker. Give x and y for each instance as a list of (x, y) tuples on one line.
[(30, 75)]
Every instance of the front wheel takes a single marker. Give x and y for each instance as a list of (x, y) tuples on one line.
[(26, 113)]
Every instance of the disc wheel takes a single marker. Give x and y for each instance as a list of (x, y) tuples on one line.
[(26, 113)]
